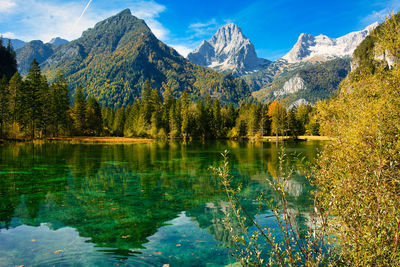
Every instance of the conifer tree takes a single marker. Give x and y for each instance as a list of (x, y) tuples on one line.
[(93, 117), (32, 99), (79, 112), (61, 103), (4, 98), (15, 101)]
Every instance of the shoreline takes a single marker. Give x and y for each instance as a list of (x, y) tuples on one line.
[(299, 138), (137, 140), (84, 140)]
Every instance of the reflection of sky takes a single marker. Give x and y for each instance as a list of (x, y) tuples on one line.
[(179, 242), (28, 245)]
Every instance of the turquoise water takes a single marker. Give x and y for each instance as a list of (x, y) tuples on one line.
[(132, 205)]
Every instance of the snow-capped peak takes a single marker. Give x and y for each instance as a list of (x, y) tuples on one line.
[(321, 47), (228, 49)]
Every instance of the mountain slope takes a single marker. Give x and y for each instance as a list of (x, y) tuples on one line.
[(322, 48), (112, 61), (16, 43), (308, 84), (228, 50), (31, 50)]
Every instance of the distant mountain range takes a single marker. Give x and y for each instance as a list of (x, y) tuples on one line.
[(322, 48), (112, 61), (228, 50), (16, 43), (287, 79)]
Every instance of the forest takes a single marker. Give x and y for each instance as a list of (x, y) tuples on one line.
[(32, 108)]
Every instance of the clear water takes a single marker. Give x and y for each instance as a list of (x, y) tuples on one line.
[(130, 205)]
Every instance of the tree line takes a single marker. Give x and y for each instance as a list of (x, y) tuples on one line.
[(33, 108)]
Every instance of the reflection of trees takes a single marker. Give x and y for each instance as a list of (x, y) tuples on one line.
[(118, 195)]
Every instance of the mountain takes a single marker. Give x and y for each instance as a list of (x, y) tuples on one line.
[(58, 41), (16, 43), (307, 84), (322, 48), (228, 50), (34, 49), (113, 60), (309, 51), (38, 50)]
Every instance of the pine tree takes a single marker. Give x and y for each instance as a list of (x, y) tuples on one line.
[(8, 65), (217, 124), (79, 112), (184, 108), (61, 103), (15, 102), (93, 117), (146, 100), (4, 111), (32, 99)]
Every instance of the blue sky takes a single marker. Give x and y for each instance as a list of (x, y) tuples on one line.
[(273, 26)]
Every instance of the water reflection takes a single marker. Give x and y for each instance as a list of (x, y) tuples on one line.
[(139, 203)]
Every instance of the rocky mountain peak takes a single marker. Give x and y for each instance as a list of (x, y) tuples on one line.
[(228, 50), (322, 47)]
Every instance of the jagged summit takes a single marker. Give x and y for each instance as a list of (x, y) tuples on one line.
[(228, 50), (321, 47)]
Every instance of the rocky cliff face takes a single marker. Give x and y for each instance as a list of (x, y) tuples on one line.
[(322, 48), (228, 50), (293, 85)]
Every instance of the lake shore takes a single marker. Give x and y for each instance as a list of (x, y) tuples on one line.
[(87, 140), (135, 140), (301, 138)]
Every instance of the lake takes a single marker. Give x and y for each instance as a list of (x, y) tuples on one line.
[(134, 204)]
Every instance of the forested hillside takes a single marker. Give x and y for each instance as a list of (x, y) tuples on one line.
[(310, 83), (114, 59)]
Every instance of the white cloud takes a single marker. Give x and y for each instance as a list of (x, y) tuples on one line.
[(150, 11), (44, 20), (182, 49), (9, 35), (204, 28), (6, 5)]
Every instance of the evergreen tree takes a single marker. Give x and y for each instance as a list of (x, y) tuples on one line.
[(217, 123), (147, 102), (4, 98), (79, 112), (184, 108), (93, 117), (8, 62), (15, 101), (32, 99), (61, 103)]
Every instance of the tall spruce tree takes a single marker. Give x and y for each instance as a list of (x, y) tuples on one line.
[(32, 99), (94, 117), (4, 111), (79, 112), (60, 103)]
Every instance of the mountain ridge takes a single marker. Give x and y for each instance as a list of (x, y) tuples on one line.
[(322, 47)]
